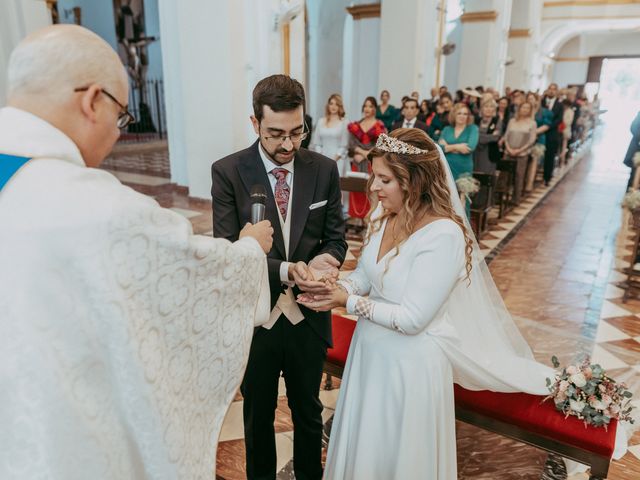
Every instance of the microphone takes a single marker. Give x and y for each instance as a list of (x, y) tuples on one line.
[(258, 201)]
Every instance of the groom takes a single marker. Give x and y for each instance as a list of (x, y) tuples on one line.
[(304, 207)]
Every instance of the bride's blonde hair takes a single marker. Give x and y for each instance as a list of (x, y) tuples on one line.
[(424, 187)]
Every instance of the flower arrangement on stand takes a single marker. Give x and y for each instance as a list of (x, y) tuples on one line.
[(585, 391)]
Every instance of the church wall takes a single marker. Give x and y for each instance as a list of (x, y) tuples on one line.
[(572, 60), (97, 16), (325, 26)]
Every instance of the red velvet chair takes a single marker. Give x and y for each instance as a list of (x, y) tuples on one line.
[(520, 416)]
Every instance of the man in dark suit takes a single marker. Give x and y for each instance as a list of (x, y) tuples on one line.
[(410, 110), (553, 137), (304, 207)]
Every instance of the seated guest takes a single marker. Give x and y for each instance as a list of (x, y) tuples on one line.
[(503, 113), (410, 111), (435, 98), (634, 147), (386, 112), (441, 119), (487, 153), (568, 119), (363, 135), (330, 136), (424, 111), (543, 118), (517, 98), (518, 140), (400, 111)]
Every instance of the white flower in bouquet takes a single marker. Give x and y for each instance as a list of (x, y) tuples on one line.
[(468, 185), (577, 406), (578, 380), (631, 200), (572, 370), (597, 404)]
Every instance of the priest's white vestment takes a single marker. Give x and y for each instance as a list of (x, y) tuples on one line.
[(123, 336)]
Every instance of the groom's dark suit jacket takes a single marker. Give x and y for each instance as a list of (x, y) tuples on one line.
[(313, 232)]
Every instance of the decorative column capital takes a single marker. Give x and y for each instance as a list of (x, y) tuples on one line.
[(369, 10), (487, 16)]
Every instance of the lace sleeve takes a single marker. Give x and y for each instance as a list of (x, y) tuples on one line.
[(360, 306)]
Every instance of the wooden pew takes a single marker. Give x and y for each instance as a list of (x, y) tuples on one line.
[(482, 202), (519, 416)]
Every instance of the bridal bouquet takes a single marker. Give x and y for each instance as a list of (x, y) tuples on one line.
[(585, 391)]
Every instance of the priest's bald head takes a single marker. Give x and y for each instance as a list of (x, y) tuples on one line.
[(73, 79)]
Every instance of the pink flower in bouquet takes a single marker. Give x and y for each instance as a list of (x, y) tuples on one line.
[(607, 412), (578, 380), (597, 404), (602, 388), (607, 400), (588, 373), (563, 386), (560, 397), (572, 370)]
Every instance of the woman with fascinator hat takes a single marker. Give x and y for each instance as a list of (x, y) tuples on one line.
[(429, 315)]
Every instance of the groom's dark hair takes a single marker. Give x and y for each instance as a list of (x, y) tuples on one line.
[(280, 92)]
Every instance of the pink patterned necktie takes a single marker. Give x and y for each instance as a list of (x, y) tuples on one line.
[(282, 191)]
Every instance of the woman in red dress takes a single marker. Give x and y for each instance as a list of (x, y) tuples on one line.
[(362, 138)]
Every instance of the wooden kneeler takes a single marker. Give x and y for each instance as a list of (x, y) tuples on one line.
[(519, 416)]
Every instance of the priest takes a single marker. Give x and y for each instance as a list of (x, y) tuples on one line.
[(123, 336)]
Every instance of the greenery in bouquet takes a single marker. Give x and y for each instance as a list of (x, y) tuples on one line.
[(468, 185), (631, 200), (585, 391)]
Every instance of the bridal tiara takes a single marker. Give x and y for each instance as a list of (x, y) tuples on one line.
[(393, 145)]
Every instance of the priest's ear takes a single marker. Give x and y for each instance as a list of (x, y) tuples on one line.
[(90, 97)]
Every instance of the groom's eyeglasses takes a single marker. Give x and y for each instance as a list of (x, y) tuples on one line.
[(125, 117), (294, 137)]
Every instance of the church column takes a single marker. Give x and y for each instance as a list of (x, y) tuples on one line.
[(18, 18), (524, 70), (361, 54), (408, 47), (213, 54), (485, 27)]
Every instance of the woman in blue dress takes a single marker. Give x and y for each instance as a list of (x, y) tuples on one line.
[(458, 140)]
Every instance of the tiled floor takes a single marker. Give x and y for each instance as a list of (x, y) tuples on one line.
[(558, 261)]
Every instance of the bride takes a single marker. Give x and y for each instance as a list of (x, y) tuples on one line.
[(429, 315)]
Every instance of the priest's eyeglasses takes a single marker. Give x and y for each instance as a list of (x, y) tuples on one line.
[(125, 117), (294, 137)]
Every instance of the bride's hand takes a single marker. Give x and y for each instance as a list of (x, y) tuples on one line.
[(337, 297)]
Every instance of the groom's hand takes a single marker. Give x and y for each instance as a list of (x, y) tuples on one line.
[(325, 267), (305, 278)]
